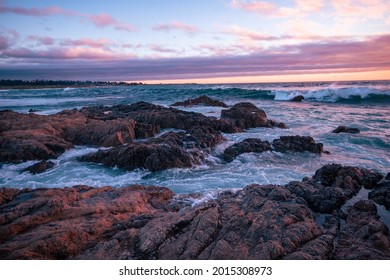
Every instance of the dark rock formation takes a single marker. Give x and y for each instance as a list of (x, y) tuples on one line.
[(298, 98), (155, 115), (346, 129), (381, 192), (39, 167), (246, 115), (201, 100), (174, 149), (250, 145), (363, 236), (257, 222), (283, 144), (297, 144), (332, 185)]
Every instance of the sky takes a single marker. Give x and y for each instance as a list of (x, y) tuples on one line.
[(202, 41)]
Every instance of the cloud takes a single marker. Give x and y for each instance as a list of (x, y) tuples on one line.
[(268, 8), (105, 20), (161, 49), (248, 34), (370, 54), (99, 20), (175, 25)]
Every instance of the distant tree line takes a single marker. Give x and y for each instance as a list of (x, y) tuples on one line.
[(65, 83)]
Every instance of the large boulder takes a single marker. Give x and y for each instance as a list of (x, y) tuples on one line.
[(332, 185), (250, 145), (246, 115), (297, 144), (170, 150), (201, 100)]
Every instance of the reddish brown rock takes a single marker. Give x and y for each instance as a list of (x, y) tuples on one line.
[(246, 115), (201, 100), (363, 236), (62, 223)]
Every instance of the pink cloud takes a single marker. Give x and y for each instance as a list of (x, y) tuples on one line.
[(99, 43), (105, 20), (248, 34), (3, 43), (300, 8), (161, 49), (99, 20), (47, 41), (320, 57), (175, 25)]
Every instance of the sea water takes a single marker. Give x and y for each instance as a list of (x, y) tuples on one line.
[(364, 105)]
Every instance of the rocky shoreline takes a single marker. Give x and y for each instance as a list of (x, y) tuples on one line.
[(299, 220)]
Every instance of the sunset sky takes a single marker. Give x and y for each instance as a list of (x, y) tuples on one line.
[(207, 41)]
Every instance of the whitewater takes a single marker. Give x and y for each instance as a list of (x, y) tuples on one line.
[(326, 105)]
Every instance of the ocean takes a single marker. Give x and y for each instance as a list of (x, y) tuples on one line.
[(364, 105)]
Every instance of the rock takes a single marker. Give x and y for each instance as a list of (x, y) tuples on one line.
[(381, 193), (257, 222), (170, 150), (35, 137), (332, 185), (363, 236), (346, 129), (250, 145), (283, 144), (39, 167), (201, 100), (62, 223), (246, 115), (298, 98), (155, 115), (297, 144)]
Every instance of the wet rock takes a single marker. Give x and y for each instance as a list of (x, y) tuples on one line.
[(201, 100), (30, 136), (170, 150), (250, 145), (345, 129), (381, 192), (363, 236), (155, 115), (39, 167), (246, 115), (332, 185), (63, 223), (297, 144), (298, 98)]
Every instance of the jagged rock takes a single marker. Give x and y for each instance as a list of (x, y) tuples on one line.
[(250, 145), (346, 129), (363, 236), (201, 100), (246, 115), (183, 149), (62, 223), (146, 113), (332, 185), (257, 222), (283, 144), (381, 192), (39, 167), (297, 144)]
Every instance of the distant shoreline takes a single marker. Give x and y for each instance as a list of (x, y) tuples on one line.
[(48, 84)]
